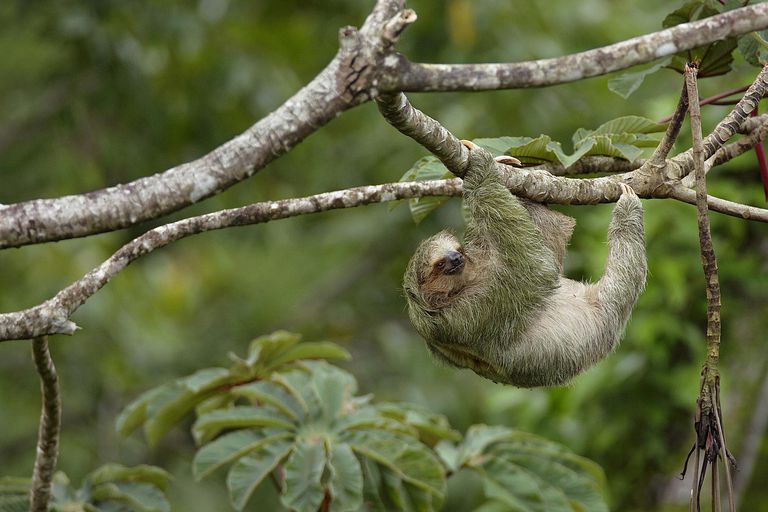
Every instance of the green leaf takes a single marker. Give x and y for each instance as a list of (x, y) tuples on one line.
[(265, 348), (346, 479), (310, 350), (431, 427), (135, 414), (230, 447), (500, 145), (627, 83), (713, 59), (333, 388), (753, 47), (629, 124), (153, 475), (249, 471), (14, 503), (271, 394), (413, 462), (303, 489), (138, 496), (421, 207), (371, 486), (210, 424), (206, 379), (425, 169), (513, 486), (14, 485)]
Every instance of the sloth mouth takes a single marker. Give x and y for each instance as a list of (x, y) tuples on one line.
[(455, 269)]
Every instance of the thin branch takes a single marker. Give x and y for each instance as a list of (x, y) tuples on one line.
[(713, 99), (409, 76), (716, 204), (50, 425), (673, 130), (725, 129), (52, 316)]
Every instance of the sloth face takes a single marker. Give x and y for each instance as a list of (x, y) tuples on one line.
[(446, 270)]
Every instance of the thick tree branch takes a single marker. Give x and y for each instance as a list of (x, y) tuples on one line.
[(639, 50), (365, 64), (348, 80)]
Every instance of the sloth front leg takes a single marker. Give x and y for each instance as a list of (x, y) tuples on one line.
[(626, 267)]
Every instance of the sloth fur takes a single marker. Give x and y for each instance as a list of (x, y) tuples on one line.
[(499, 304)]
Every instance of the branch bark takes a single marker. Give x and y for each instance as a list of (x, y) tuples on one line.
[(600, 61)]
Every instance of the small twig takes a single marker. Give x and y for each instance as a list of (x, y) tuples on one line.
[(673, 130), (713, 100), (50, 425)]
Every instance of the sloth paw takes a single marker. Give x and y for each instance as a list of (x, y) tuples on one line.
[(626, 190)]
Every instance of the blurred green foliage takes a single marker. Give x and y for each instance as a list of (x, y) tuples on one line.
[(98, 92)]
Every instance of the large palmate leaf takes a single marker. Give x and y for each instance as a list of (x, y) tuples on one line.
[(425, 169), (529, 473)]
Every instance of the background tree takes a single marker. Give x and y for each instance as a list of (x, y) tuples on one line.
[(98, 94)]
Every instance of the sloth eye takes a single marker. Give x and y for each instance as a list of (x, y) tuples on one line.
[(440, 265)]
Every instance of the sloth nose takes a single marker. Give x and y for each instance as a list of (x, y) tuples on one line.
[(455, 258), (455, 261)]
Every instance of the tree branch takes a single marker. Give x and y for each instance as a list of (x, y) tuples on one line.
[(50, 425), (348, 80), (365, 64), (409, 76)]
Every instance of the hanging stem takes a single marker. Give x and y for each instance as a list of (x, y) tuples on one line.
[(50, 427), (710, 431)]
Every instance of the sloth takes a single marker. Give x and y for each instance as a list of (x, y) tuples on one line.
[(498, 303)]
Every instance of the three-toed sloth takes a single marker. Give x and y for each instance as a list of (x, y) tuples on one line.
[(499, 304)]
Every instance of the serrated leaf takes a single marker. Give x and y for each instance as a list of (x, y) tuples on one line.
[(303, 470), (310, 350), (249, 471), (346, 479), (413, 462), (144, 473), (210, 424), (271, 394), (138, 496), (230, 447), (627, 83)]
